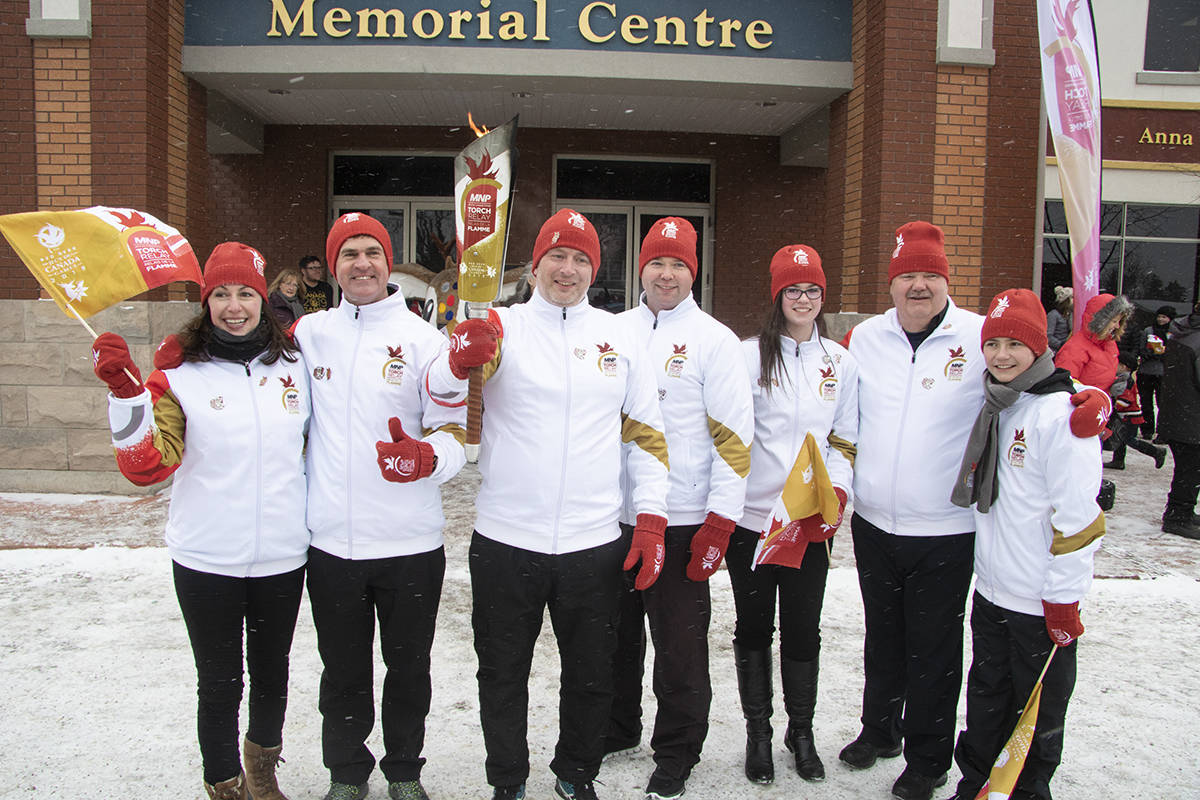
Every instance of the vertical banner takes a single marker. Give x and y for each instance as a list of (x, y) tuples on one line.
[(1071, 90)]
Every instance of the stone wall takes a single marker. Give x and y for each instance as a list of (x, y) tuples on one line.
[(53, 410)]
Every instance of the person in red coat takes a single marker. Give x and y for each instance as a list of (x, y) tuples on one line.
[(1090, 355)]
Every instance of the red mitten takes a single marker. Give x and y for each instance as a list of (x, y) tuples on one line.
[(649, 546), (472, 344), (169, 354), (404, 459), (709, 544), (1062, 622), (112, 364), (1091, 416), (815, 529)]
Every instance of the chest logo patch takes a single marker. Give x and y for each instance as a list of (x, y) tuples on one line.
[(217, 403), (608, 360), (393, 368), (674, 365), (827, 388), (322, 373), (956, 365), (1017, 450), (291, 395), (927, 383), (580, 353)]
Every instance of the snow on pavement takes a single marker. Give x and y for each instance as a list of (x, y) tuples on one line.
[(100, 686)]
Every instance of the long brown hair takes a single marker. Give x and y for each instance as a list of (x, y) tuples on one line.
[(198, 331), (770, 351)]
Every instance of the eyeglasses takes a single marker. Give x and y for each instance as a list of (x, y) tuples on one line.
[(794, 292)]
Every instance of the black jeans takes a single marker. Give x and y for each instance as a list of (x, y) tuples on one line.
[(801, 594), (215, 609), (1185, 481), (678, 610), (914, 591), (1148, 387), (1009, 650), (346, 596), (511, 588)]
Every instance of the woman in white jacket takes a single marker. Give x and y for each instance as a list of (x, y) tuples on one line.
[(802, 383), (227, 416)]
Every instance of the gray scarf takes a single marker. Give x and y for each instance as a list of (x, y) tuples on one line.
[(977, 475)]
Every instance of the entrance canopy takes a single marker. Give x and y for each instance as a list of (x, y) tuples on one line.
[(762, 68)]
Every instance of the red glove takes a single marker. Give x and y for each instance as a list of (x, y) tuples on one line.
[(169, 354), (649, 547), (1062, 622), (1091, 416), (472, 344), (111, 361), (814, 528), (404, 459), (709, 544)]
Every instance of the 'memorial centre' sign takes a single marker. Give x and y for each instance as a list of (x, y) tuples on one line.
[(792, 29)]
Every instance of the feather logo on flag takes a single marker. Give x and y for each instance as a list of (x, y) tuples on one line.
[(91, 259), (806, 492)]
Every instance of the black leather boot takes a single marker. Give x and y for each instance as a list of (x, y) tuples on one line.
[(754, 686), (800, 699)]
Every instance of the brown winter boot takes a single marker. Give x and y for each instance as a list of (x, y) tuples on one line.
[(232, 789), (260, 770)]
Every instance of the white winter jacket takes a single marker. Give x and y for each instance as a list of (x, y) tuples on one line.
[(367, 364), (567, 387), (1038, 540), (233, 435), (818, 394), (916, 411), (706, 407)]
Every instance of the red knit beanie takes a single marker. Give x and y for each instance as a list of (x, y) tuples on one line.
[(234, 262), (1016, 314), (670, 237), (795, 263), (568, 228), (354, 224), (920, 247)]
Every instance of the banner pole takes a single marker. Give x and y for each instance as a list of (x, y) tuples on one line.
[(95, 335)]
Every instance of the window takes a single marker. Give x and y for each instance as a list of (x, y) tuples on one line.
[(1149, 253), (1173, 36)]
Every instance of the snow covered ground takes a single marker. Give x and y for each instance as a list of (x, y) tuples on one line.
[(99, 698)]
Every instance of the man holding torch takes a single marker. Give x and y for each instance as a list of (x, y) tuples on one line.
[(567, 388)]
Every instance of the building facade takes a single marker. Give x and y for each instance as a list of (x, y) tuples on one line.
[(828, 122)]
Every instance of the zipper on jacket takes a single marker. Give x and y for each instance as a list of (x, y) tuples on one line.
[(258, 511), (900, 425), (562, 476), (349, 427)]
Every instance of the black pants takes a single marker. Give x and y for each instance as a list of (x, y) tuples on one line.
[(215, 609), (1125, 435), (1185, 481), (511, 589), (678, 610), (347, 596), (1148, 386), (1009, 650), (914, 591), (801, 594)]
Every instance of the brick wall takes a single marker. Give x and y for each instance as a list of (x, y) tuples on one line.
[(62, 112), (277, 201), (18, 147)]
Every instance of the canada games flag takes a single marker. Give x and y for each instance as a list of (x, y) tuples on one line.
[(1011, 761), (91, 259), (807, 491)]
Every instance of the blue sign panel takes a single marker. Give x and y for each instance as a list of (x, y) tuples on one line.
[(816, 30)]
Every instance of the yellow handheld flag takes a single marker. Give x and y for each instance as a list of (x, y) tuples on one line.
[(1011, 761), (806, 492), (91, 259)]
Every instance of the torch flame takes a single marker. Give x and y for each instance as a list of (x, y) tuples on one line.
[(479, 134)]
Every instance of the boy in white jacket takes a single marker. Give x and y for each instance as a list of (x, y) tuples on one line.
[(1033, 485)]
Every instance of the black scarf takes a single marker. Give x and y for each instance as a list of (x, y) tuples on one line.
[(240, 348)]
